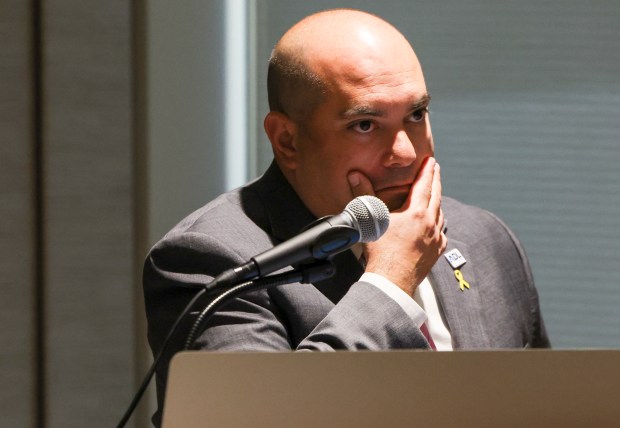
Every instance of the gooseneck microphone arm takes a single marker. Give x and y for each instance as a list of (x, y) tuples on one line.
[(317, 243), (364, 219), (305, 274)]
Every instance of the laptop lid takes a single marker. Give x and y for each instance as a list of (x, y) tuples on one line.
[(534, 388)]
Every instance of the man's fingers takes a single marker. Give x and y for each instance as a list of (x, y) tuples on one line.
[(360, 184), (423, 186), (436, 188), (441, 221)]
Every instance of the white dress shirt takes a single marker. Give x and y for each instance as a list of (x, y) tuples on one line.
[(422, 308)]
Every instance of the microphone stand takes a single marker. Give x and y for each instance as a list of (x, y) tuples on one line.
[(304, 274)]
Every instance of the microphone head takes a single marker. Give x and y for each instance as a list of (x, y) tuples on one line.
[(371, 215)]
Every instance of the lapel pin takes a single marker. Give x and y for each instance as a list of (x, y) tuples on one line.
[(462, 283), (456, 260)]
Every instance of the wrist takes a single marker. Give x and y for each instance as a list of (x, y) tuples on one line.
[(402, 277)]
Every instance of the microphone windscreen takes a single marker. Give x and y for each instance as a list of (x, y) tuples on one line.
[(372, 216)]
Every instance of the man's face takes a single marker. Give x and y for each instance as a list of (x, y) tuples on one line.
[(373, 123)]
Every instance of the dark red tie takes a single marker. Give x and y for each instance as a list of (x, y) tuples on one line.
[(426, 334)]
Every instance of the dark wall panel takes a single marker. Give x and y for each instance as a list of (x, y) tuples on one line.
[(89, 211), (17, 227)]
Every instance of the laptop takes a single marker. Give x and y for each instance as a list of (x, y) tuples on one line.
[(530, 388)]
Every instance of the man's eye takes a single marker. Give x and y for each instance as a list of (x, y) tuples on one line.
[(419, 115), (364, 126)]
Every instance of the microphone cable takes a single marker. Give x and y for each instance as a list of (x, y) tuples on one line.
[(151, 371), (304, 274)]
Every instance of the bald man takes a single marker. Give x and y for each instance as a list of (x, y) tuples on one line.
[(349, 117)]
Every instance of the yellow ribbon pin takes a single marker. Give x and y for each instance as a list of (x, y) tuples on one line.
[(462, 282)]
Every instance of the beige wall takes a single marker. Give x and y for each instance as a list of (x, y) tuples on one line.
[(69, 263), (100, 134)]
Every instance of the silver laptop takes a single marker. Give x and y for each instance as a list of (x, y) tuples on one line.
[(395, 389)]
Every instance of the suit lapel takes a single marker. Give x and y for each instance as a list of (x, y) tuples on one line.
[(287, 216), (348, 271), (462, 310)]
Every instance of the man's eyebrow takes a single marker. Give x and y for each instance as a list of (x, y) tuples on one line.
[(361, 110), (365, 110), (421, 103)]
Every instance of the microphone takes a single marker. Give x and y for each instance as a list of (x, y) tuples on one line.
[(364, 219)]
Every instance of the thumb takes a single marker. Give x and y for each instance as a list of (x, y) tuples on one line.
[(360, 184)]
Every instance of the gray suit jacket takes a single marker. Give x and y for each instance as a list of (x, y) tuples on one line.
[(500, 310)]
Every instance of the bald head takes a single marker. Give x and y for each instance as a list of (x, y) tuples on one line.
[(325, 48), (347, 96)]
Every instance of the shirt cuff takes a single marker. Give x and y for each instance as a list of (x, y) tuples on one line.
[(411, 308)]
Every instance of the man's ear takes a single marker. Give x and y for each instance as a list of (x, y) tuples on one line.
[(282, 131)]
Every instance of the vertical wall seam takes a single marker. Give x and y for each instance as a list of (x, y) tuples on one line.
[(39, 332), (140, 212)]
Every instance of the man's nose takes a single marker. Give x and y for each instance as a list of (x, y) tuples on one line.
[(401, 152)]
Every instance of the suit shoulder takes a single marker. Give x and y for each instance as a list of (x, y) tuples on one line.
[(468, 222), (224, 228)]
